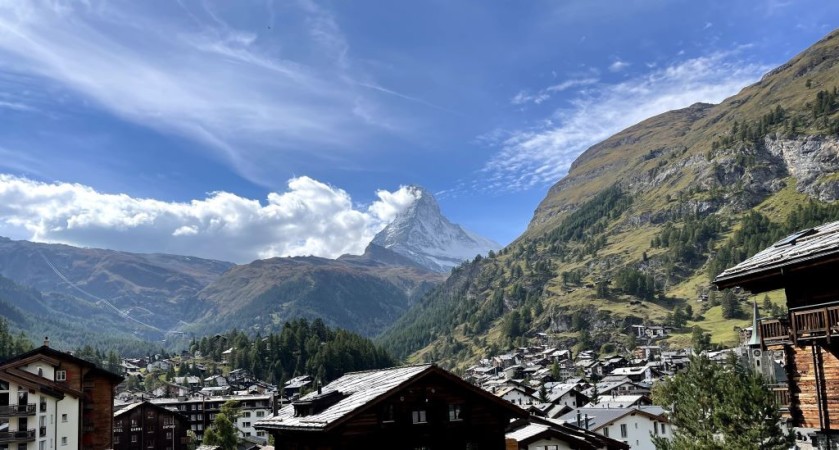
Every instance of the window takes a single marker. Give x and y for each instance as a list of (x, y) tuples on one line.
[(133, 423), (246, 414), (655, 427), (246, 424), (116, 439), (662, 429), (60, 375), (42, 445), (418, 416), (64, 419), (150, 414), (455, 413), (133, 438), (388, 414), (63, 440), (21, 447), (624, 431), (40, 372), (168, 435), (260, 414)]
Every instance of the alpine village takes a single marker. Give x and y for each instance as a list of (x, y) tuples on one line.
[(674, 290)]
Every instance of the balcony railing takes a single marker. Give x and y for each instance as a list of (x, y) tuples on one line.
[(815, 322), (17, 410), (17, 436), (774, 331), (782, 398)]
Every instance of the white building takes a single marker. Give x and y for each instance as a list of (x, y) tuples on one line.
[(53, 400), (633, 426)]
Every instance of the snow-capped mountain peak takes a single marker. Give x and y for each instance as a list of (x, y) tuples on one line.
[(422, 233)]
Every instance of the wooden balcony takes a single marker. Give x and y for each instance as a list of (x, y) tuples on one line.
[(782, 398), (815, 322), (774, 332)]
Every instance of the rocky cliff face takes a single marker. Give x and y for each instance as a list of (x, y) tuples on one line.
[(813, 161)]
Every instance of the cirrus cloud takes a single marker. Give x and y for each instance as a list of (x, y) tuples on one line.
[(541, 154), (310, 218)]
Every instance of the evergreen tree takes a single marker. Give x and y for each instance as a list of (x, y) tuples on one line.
[(719, 406), (730, 306), (701, 341)]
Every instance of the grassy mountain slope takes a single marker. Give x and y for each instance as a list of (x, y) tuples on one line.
[(364, 293), (643, 220), (143, 293)]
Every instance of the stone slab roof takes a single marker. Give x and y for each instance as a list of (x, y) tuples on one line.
[(360, 388), (800, 247)]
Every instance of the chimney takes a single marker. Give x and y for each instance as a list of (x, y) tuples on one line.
[(578, 418), (320, 391), (275, 407), (46, 341), (586, 421)]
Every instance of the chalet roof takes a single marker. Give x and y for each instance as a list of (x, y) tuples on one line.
[(360, 389), (62, 356), (803, 247), (129, 407), (600, 417), (619, 401), (636, 370), (537, 428)]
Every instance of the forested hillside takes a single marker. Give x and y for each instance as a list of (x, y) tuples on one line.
[(302, 347)]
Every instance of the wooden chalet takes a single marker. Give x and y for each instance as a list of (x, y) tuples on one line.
[(803, 264), (409, 407), (145, 425)]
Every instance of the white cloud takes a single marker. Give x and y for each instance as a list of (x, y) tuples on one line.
[(618, 65), (310, 218), (524, 97), (543, 153)]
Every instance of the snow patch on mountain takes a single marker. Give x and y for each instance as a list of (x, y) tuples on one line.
[(422, 233)]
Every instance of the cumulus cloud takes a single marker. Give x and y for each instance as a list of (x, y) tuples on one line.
[(618, 65), (309, 218), (542, 153)]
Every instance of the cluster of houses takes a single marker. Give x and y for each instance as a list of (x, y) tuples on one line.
[(609, 396)]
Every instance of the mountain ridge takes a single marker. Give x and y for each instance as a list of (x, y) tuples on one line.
[(423, 234)]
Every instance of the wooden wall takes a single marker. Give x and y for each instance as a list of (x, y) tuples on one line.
[(805, 373)]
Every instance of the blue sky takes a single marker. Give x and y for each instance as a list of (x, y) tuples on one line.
[(246, 129)]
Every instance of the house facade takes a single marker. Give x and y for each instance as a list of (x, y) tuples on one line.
[(200, 412), (632, 426), (143, 425), (53, 400), (399, 408)]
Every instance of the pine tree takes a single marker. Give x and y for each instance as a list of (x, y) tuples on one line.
[(719, 406)]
